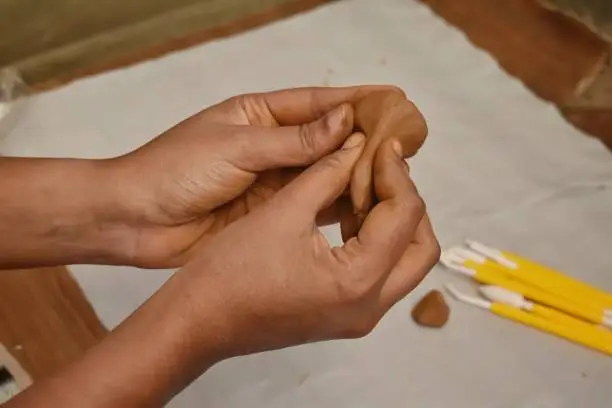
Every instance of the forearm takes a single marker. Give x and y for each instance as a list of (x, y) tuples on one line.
[(147, 360), (60, 211)]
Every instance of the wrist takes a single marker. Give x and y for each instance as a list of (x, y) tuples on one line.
[(188, 339), (61, 211), (103, 219), (152, 356), (93, 217)]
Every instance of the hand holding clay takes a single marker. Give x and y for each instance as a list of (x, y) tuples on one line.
[(280, 283), (214, 168), (226, 191), (384, 116)]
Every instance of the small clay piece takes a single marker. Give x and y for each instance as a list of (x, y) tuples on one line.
[(431, 311), (384, 117)]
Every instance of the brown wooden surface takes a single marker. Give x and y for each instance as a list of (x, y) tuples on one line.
[(546, 50), (556, 57), (596, 122), (45, 321), (595, 14), (33, 27), (52, 42)]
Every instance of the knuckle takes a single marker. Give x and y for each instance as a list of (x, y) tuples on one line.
[(397, 89), (418, 124), (239, 101), (433, 252), (412, 206), (308, 140), (360, 329), (254, 109)]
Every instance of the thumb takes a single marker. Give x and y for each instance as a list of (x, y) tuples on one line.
[(294, 146), (321, 184)]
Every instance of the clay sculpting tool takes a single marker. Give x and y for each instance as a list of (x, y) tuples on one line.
[(501, 295), (520, 316), (544, 276), (489, 276)]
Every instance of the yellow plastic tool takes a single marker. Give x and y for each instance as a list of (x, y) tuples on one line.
[(524, 277), (558, 329), (567, 332), (559, 281), (554, 315), (545, 278), (493, 277), (498, 294)]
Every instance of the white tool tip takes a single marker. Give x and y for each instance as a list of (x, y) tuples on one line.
[(451, 262), (503, 295), (472, 300), (468, 254), (490, 252)]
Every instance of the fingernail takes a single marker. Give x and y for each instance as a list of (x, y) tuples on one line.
[(335, 119), (353, 141)]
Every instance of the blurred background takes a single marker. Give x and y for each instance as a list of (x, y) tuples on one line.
[(518, 97)]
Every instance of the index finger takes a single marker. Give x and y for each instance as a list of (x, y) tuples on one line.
[(291, 107), (392, 223)]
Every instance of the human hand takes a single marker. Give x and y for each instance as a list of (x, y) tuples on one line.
[(266, 281), (271, 279), (217, 166)]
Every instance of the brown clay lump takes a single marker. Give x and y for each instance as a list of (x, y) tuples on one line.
[(431, 311)]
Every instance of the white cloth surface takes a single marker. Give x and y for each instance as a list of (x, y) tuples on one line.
[(500, 166)]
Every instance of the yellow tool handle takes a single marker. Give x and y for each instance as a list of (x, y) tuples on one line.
[(492, 277), (553, 278), (554, 315), (557, 316), (565, 331), (550, 284)]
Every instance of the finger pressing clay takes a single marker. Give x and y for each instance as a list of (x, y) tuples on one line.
[(384, 117)]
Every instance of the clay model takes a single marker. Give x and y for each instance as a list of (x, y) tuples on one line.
[(384, 117), (431, 311)]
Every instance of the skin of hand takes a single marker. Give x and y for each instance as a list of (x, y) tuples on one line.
[(156, 206), (217, 166), (267, 281)]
